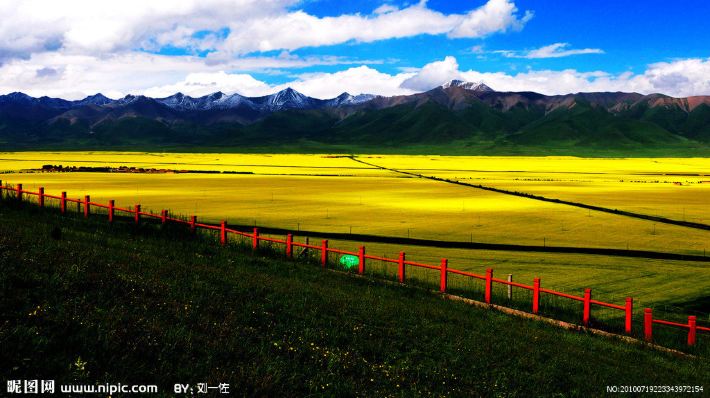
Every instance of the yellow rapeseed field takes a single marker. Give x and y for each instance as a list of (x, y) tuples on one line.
[(677, 188), (316, 192), (337, 194)]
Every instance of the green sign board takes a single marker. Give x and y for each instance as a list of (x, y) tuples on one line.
[(349, 261)]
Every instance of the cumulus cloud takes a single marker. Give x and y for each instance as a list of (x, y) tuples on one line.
[(199, 84), (76, 76), (235, 26), (298, 29), (74, 48), (81, 75), (433, 74), (494, 16), (358, 80), (91, 27), (555, 50), (679, 78)]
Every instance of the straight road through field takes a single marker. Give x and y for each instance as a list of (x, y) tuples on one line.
[(624, 213)]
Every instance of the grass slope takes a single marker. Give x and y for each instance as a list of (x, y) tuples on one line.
[(148, 306)]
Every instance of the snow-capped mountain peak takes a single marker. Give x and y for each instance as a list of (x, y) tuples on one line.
[(177, 101), (473, 86), (224, 101), (216, 95), (349, 99), (288, 98), (285, 99), (96, 99), (128, 99)]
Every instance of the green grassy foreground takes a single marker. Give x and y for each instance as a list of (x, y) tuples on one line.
[(118, 304)]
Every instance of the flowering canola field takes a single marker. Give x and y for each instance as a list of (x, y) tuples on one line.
[(336, 194)]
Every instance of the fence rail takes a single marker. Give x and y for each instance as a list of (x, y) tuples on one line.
[(443, 269)]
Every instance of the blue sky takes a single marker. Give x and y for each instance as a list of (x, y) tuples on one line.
[(323, 47), (632, 34)]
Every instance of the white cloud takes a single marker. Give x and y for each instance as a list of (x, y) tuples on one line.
[(75, 76), (385, 8), (298, 29), (92, 27), (555, 50), (356, 80), (359, 80), (494, 16), (74, 48), (433, 74), (80, 75), (551, 82), (199, 84), (678, 78)]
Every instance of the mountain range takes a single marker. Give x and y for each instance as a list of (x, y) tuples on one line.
[(456, 114)]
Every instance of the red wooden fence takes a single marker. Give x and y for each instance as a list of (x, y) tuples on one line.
[(401, 262)]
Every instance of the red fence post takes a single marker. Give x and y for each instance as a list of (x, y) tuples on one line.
[(289, 246), (629, 313), (87, 210), (223, 233), (400, 270), (19, 192), (138, 214), (536, 295), (444, 275), (361, 265), (648, 324), (692, 328), (111, 205), (587, 306), (489, 285), (324, 253), (40, 197), (63, 203), (193, 221), (163, 216), (255, 239)]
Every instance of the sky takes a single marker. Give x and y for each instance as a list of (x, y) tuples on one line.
[(75, 48)]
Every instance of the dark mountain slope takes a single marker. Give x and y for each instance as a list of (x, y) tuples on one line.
[(456, 112), (584, 124), (697, 125), (403, 124)]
